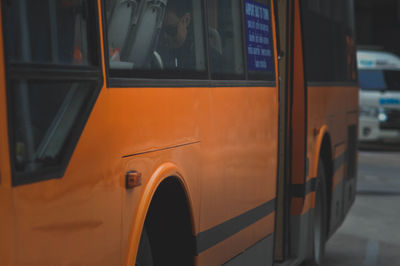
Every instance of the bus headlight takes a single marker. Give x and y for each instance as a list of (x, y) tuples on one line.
[(369, 111)]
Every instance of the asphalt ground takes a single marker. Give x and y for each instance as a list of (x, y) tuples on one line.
[(370, 235)]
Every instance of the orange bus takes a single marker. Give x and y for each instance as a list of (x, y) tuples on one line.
[(175, 132)]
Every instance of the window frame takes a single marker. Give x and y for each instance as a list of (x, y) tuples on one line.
[(47, 72), (163, 78)]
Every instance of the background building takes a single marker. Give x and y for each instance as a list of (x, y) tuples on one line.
[(378, 24)]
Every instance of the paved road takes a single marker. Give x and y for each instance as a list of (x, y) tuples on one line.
[(370, 235)]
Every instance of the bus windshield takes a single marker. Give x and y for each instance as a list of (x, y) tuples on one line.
[(380, 80)]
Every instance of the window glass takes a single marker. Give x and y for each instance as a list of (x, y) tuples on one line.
[(313, 5), (44, 115), (48, 31), (371, 79), (329, 45), (379, 80), (393, 80), (155, 35), (259, 41), (225, 37), (48, 44)]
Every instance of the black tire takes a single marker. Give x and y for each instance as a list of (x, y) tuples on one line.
[(319, 233), (144, 256)]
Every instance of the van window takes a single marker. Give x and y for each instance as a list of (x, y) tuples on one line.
[(379, 80)]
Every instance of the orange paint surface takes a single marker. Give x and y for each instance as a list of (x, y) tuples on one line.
[(300, 206), (220, 142), (330, 111)]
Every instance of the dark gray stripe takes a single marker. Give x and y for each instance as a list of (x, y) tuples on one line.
[(339, 162), (302, 190), (352, 112), (221, 232), (340, 143), (259, 254)]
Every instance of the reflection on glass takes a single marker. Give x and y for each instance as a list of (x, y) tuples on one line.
[(225, 37), (44, 115), (47, 31)]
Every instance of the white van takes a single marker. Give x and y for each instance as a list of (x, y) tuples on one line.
[(379, 77)]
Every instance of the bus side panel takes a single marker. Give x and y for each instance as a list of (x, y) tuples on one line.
[(338, 182), (152, 127), (352, 149), (223, 139), (239, 165), (331, 106), (75, 220), (7, 230)]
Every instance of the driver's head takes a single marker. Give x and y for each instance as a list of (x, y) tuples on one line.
[(176, 23)]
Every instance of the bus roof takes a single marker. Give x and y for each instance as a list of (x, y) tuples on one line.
[(377, 60)]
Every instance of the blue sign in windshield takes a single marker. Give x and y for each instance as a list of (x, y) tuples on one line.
[(258, 37)]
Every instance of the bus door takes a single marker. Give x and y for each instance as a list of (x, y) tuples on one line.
[(293, 187)]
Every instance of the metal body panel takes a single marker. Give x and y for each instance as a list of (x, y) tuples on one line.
[(260, 254)]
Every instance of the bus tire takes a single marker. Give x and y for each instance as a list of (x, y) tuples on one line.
[(319, 230), (144, 256)]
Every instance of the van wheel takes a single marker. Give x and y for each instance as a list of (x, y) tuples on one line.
[(319, 219), (144, 256)]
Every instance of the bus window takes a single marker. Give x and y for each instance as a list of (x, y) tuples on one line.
[(329, 46), (259, 42), (46, 31), (225, 38), (52, 81), (44, 114), (155, 35)]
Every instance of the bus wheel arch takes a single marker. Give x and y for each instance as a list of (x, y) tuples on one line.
[(165, 209), (327, 160), (322, 169), (324, 153), (169, 224)]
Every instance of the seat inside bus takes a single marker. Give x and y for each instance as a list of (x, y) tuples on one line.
[(225, 36), (133, 30), (215, 39)]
